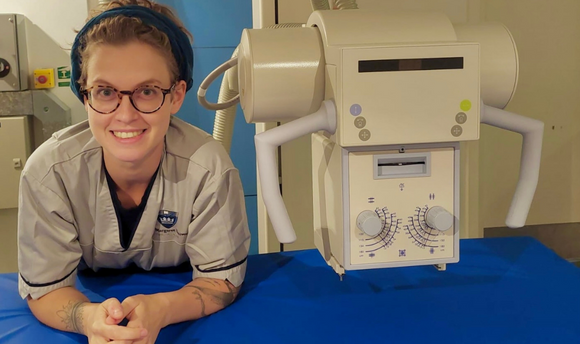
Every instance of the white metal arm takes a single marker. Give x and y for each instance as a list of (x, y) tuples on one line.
[(266, 146), (532, 131)]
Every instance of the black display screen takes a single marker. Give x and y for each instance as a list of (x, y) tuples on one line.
[(398, 65)]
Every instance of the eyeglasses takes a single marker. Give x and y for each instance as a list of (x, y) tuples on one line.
[(145, 99)]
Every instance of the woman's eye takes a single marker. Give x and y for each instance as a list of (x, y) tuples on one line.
[(105, 93), (148, 92)]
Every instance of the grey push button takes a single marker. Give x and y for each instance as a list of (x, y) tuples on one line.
[(364, 135), (360, 122), (355, 109), (461, 118), (456, 130)]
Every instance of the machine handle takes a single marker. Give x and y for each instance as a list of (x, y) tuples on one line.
[(266, 147), (532, 132), (201, 92)]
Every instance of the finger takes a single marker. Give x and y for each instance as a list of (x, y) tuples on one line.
[(129, 304), (114, 309), (98, 340), (112, 321), (101, 340), (144, 341), (115, 332)]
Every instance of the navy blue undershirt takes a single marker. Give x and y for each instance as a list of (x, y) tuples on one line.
[(128, 219)]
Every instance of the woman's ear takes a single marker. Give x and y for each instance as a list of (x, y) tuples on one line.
[(178, 96)]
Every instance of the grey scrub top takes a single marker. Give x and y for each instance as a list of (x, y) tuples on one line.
[(195, 212)]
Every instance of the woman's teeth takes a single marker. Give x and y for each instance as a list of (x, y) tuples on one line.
[(127, 134)]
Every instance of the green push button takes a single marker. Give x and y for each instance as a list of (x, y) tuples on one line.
[(465, 105)]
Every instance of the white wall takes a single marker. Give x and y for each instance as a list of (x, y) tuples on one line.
[(58, 18)]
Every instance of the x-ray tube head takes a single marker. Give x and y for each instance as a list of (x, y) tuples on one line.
[(281, 73)]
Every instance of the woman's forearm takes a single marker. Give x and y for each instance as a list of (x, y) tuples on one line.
[(63, 309), (197, 299), (67, 309)]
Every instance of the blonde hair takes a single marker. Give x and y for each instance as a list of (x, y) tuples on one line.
[(121, 29)]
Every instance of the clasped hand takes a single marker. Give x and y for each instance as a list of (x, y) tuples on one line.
[(145, 320)]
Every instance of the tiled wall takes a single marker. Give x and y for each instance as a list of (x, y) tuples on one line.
[(217, 26)]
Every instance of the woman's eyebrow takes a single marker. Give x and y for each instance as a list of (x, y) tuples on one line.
[(150, 81), (103, 82)]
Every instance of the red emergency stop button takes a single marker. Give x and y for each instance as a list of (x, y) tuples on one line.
[(42, 79)]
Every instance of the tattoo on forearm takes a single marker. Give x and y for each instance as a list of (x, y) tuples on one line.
[(216, 283), (72, 316), (198, 296), (220, 298)]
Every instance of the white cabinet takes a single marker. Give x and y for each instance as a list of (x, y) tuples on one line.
[(14, 150)]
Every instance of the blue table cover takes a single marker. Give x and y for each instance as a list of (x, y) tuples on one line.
[(503, 290)]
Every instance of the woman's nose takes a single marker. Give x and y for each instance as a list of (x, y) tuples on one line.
[(126, 111)]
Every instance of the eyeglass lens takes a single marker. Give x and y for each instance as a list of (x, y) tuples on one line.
[(145, 99)]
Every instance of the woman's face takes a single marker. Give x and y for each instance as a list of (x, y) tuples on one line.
[(127, 135)]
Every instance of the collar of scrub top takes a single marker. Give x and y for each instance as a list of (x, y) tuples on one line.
[(180, 44)]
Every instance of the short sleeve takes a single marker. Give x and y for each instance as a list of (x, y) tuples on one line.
[(219, 238), (48, 247)]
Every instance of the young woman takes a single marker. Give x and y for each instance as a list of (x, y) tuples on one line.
[(132, 186)]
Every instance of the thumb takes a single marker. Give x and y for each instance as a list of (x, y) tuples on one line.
[(114, 311), (112, 321), (129, 305)]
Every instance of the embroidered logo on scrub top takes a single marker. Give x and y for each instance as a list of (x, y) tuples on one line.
[(167, 218)]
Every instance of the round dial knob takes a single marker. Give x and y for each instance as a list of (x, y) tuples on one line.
[(4, 68), (369, 222), (439, 218)]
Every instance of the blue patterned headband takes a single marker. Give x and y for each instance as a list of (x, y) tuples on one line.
[(180, 44)]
